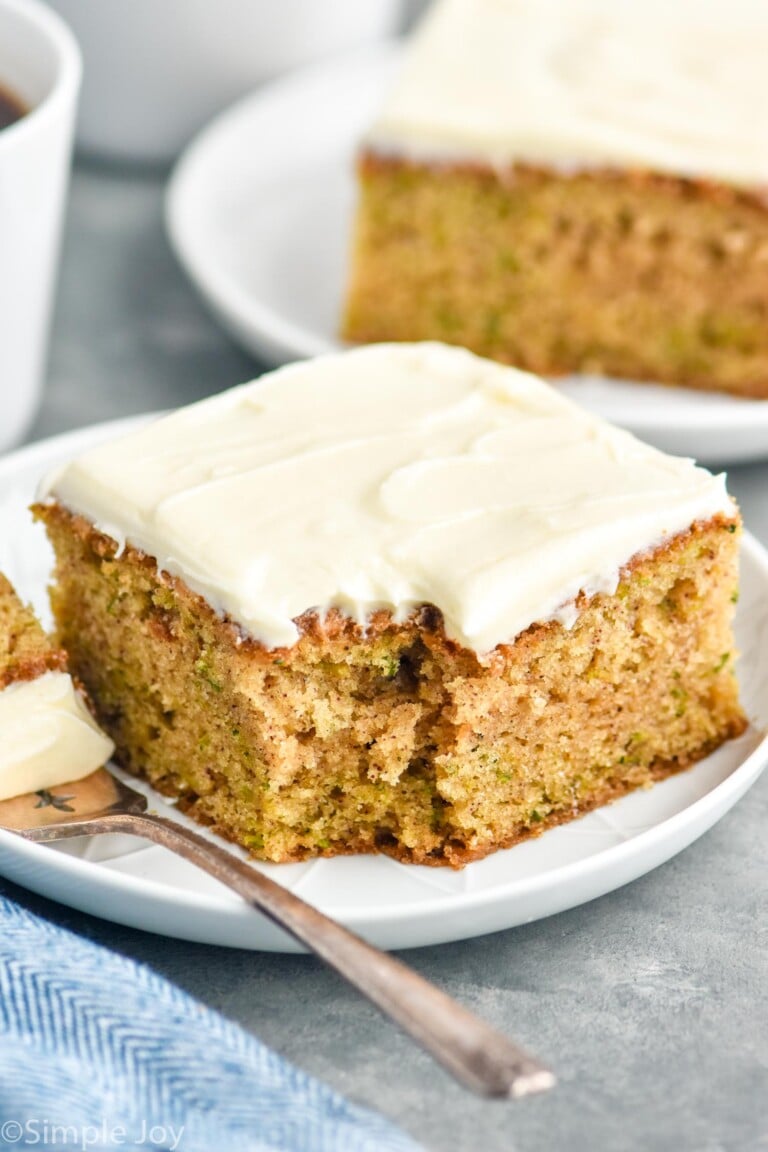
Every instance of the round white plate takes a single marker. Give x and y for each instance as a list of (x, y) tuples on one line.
[(259, 212), (394, 905)]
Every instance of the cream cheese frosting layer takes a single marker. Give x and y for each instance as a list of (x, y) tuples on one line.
[(389, 476), (676, 86), (48, 736)]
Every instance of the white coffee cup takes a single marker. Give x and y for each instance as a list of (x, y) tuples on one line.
[(39, 64), (157, 70)]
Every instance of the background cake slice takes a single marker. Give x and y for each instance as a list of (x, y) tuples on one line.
[(47, 734), (575, 186), (400, 599)]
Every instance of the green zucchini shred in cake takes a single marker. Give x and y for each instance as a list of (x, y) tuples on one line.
[(574, 186), (398, 600)]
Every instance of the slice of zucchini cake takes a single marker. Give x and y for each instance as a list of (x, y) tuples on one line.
[(574, 186), (399, 599)]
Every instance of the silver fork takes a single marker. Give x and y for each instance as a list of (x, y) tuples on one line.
[(478, 1056)]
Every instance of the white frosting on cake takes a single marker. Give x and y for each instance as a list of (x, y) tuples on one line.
[(48, 736), (676, 86), (389, 476)]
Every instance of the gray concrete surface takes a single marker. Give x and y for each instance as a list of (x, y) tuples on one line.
[(651, 1003)]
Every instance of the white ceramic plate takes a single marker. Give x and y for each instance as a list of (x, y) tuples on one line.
[(259, 212), (392, 904)]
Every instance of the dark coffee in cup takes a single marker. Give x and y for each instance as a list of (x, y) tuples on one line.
[(11, 108)]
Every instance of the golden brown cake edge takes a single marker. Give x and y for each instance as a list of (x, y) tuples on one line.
[(25, 651), (405, 285), (335, 626)]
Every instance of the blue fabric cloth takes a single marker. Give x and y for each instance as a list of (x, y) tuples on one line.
[(97, 1051)]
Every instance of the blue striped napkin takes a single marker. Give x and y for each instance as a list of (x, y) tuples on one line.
[(97, 1051)]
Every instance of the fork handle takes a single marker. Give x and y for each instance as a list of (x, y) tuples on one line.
[(481, 1058)]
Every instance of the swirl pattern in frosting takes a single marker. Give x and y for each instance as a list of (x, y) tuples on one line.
[(676, 86), (390, 476)]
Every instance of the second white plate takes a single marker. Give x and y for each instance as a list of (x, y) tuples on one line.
[(259, 212), (394, 905)]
